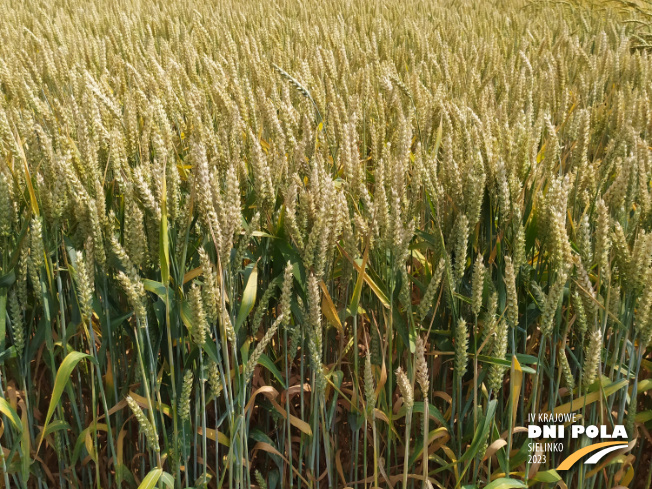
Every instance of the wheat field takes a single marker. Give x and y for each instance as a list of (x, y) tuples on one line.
[(275, 245)]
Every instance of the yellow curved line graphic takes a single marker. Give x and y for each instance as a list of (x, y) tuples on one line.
[(571, 459)]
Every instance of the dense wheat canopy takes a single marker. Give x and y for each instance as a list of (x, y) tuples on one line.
[(273, 244)]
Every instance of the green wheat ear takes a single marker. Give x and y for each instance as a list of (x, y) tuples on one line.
[(260, 480)]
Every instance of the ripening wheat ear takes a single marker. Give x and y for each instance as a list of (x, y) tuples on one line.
[(200, 328), (6, 206), (184, 399), (135, 292), (260, 348), (461, 243), (85, 287), (369, 385), (512, 300), (421, 367), (581, 320), (295, 83), (477, 285), (17, 325), (286, 294), (566, 370), (227, 325), (431, 290), (592, 359), (315, 338), (461, 348), (552, 302), (499, 350), (210, 290), (370, 400), (263, 303), (405, 388), (408, 399), (145, 426), (602, 236)]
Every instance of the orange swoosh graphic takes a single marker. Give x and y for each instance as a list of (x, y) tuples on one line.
[(571, 459)]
